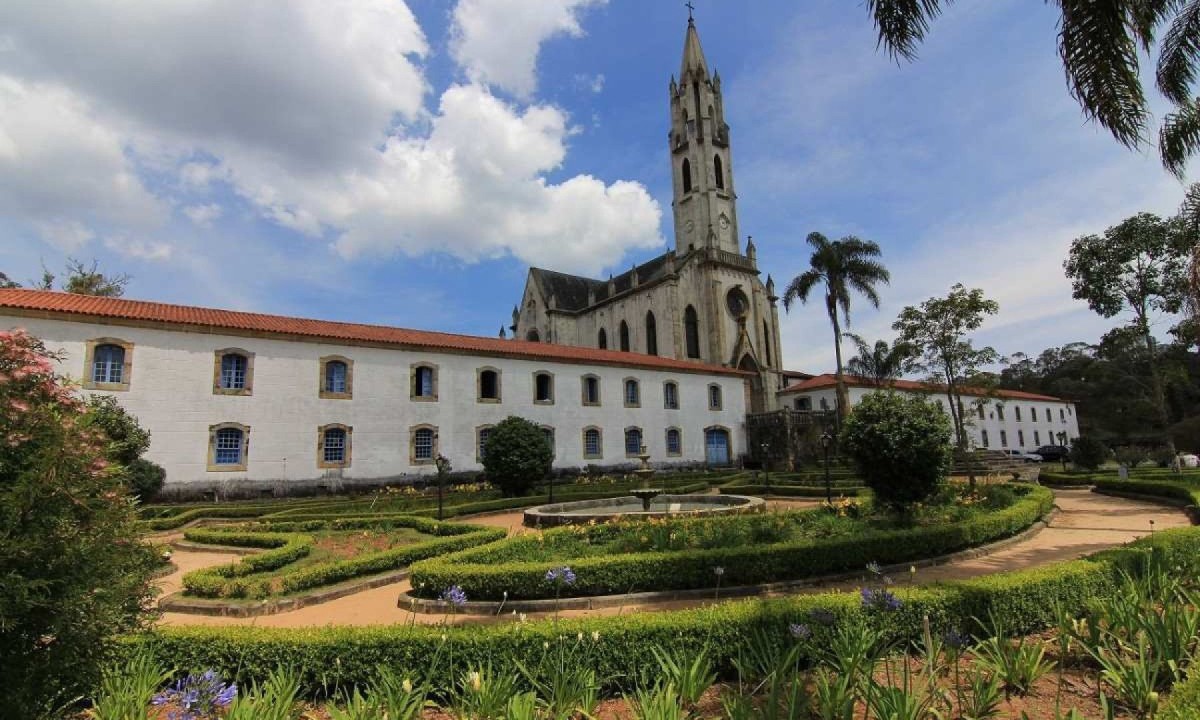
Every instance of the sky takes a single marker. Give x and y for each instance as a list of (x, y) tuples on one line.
[(404, 163)]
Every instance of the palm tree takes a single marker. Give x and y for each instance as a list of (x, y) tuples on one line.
[(842, 265), (880, 364), (1100, 44)]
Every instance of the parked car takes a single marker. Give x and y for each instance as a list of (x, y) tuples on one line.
[(1188, 460), (1022, 455), (1053, 453)]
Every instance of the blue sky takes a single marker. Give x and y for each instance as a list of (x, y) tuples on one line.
[(404, 164)]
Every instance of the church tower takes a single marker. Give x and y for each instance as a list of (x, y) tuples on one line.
[(702, 169)]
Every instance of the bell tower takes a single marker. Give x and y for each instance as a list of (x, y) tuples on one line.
[(701, 166)]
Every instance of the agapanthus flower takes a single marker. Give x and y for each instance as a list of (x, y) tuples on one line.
[(563, 574), (455, 596), (196, 697), (955, 640), (880, 599)]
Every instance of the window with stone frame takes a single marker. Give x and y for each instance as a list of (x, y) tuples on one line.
[(423, 442), (107, 364), (233, 372), (228, 447), (674, 442), (424, 382), (714, 397), (590, 390), (543, 388), (671, 395), (593, 443), (482, 433), (651, 334), (487, 385), (334, 446), (548, 435), (633, 441), (623, 335), (633, 393), (337, 377)]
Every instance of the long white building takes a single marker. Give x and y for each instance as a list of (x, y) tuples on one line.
[(996, 420), (235, 399)]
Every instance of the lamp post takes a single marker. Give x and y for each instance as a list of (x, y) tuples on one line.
[(766, 449), (826, 439), (443, 467)]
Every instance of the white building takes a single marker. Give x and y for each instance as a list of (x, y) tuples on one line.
[(997, 420), (236, 399)]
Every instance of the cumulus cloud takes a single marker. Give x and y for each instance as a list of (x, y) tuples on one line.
[(140, 249), (497, 41), (315, 115)]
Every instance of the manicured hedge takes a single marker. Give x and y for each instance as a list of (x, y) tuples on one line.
[(1176, 490), (225, 580), (482, 577), (790, 490), (340, 657)]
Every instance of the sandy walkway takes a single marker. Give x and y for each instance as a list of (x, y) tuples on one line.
[(1086, 522)]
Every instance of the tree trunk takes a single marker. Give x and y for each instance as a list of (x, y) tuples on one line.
[(1156, 387), (843, 397)]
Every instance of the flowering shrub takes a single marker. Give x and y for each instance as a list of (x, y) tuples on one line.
[(75, 574), (196, 697)]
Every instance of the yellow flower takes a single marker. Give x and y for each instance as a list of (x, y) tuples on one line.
[(407, 685)]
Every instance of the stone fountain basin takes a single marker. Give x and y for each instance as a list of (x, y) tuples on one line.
[(604, 510)]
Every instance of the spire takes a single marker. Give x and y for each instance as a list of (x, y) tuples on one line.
[(693, 55)]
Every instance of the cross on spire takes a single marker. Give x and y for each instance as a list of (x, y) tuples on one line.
[(690, 8)]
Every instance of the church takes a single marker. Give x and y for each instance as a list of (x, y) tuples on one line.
[(703, 300)]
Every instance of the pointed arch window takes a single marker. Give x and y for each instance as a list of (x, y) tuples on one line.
[(691, 332), (767, 343), (602, 339), (718, 172), (687, 175), (651, 334), (624, 336)]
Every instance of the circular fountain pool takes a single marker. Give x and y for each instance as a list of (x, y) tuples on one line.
[(584, 511)]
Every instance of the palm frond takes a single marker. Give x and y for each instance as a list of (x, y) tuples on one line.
[(801, 287), (1179, 137), (1180, 50), (1100, 56), (902, 24)]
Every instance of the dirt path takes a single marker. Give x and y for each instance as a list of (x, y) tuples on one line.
[(1086, 522)]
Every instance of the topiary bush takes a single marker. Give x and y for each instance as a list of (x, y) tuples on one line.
[(1088, 453), (516, 456), (901, 446), (145, 478)]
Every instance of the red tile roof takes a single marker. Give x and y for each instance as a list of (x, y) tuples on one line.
[(45, 303), (821, 382)]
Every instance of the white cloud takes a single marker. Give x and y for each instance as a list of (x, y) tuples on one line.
[(139, 249), (65, 235), (497, 41), (203, 215)]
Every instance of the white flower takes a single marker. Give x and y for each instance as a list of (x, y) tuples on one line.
[(407, 685), (595, 636)]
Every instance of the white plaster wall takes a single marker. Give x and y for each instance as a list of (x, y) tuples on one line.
[(171, 394)]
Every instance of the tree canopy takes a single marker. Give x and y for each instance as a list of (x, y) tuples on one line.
[(880, 363), (81, 280)]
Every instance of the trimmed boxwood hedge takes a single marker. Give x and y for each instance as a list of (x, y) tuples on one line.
[(1178, 490), (338, 657), (477, 573), (791, 490)]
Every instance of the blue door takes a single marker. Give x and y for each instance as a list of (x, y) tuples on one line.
[(716, 446)]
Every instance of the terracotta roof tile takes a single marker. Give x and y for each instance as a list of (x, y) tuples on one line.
[(821, 382), (84, 307)]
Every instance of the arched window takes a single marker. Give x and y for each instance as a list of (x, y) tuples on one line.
[(335, 376), (633, 393), (767, 343), (424, 382), (543, 388), (108, 363), (228, 444), (714, 397), (691, 332), (687, 176), (633, 441), (481, 436), (623, 334), (489, 385), (593, 447), (548, 434), (670, 395), (334, 446), (533, 336), (423, 447), (651, 334), (718, 172), (233, 371), (674, 443), (602, 339), (591, 390), (983, 436)]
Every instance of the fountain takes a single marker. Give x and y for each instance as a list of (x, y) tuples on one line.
[(645, 472)]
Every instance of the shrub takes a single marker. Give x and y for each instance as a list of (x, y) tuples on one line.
[(74, 573), (901, 445), (1088, 453), (126, 442), (145, 478), (516, 456), (1132, 455)]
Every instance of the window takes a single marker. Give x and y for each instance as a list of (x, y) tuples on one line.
[(633, 441), (718, 172), (767, 343), (487, 382), (233, 372), (422, 445), (633, 393), (979, 408), (691, 332), (592, 445), (714, 397), (591, 390), (999, 411), (984, 438), (533, 336), (1037, 437), (602, 339), (227, 447), (824, 404), (804, 404), (333, 446), (1020, 438), (481, 437), (1049, 417), (1003, 439), (107, 364), (687, 175), (1017, 410), (1062, 415), (548, 434), (337, 377), (674, 443), (651, 334), (670, 395), (424, 382), (623, 334), (543, 388), (1033, 414)]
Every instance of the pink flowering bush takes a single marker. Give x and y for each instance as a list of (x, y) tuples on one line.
[(73, 571)]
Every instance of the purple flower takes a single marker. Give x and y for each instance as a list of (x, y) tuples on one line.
[(196, 697), (800, 631), (455, 596), (563, 574), (879, 599), (955, 640)]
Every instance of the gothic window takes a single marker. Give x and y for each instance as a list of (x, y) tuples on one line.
[(719, 172), (633, 441), (424, 382), (623, 334), (670, 395), (767, 343), (543, 388), (489, 385), (687, 175), (674, 444), (233, 372), (591, 390), (691, 332), (602, 339), (337, 378), (633, 393), (651, 334), (593, 448)]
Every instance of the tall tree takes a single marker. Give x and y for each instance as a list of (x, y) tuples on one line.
[(7, 282), (1100, 44), (87, 280), (841, 266), (1138, 266), (937, 331), (880, 363)]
